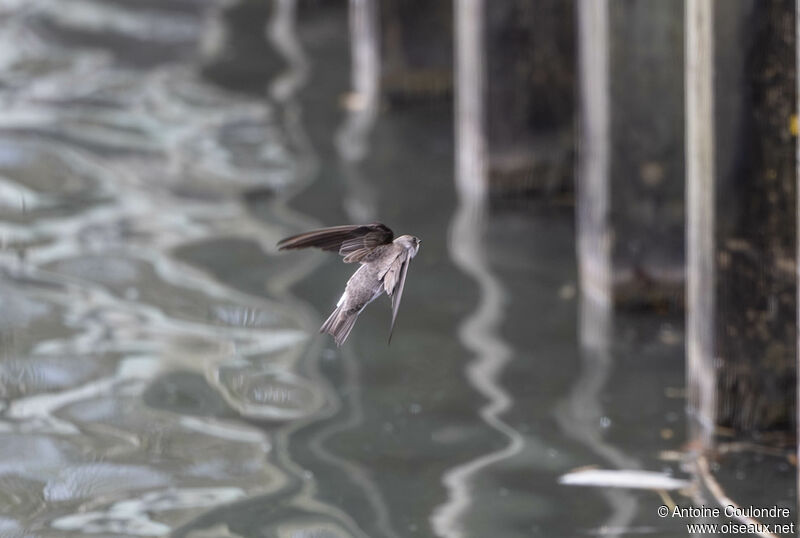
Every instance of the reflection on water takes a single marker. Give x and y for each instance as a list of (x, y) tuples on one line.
[(124, 367), (581, 414), (466, 244), (362, 110), (479, 334)]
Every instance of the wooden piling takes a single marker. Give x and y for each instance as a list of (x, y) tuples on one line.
[(630, 184), (700, 370), (741, 171), (470, 114), (416, 50), (594, 235), (530, 89)]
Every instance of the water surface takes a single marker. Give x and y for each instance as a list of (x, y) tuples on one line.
[(161, 371)]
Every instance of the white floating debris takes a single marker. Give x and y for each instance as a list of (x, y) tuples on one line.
[(104, 523), (611, 478)]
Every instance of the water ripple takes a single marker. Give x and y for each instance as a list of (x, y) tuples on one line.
[(126, 365)]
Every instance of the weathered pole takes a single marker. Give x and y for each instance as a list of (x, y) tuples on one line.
[(742, 184), (700, 218), (417, 50), (470, 110), (592, 196), (630, 184), (530, 88)]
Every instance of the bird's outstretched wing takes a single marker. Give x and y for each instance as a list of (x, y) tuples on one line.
[(352, 242), (394, 280)]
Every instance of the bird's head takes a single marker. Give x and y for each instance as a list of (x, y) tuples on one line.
[(409, 242)]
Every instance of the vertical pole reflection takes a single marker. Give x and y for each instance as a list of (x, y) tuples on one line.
[(362, 109), (580, 413), (282, 34), (478, 332), (340, 414)]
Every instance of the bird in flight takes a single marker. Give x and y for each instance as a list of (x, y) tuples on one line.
[(384, 265)]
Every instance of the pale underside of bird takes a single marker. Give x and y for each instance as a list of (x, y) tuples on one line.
[(383, 261)]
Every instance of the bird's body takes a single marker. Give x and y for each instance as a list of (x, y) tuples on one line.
[(384, 265), (362, 288)]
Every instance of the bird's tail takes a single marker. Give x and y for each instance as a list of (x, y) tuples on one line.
[(339, 324)]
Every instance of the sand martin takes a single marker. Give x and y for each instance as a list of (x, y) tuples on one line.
[(384, 265)]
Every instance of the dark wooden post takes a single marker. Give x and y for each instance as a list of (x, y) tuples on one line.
[(417, 49), (797, 223), (530, 67), (630, 185), (742, 214)]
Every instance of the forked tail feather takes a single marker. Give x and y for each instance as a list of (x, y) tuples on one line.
[(339, 324)]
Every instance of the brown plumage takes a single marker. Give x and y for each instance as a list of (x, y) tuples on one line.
[(384, 266)]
